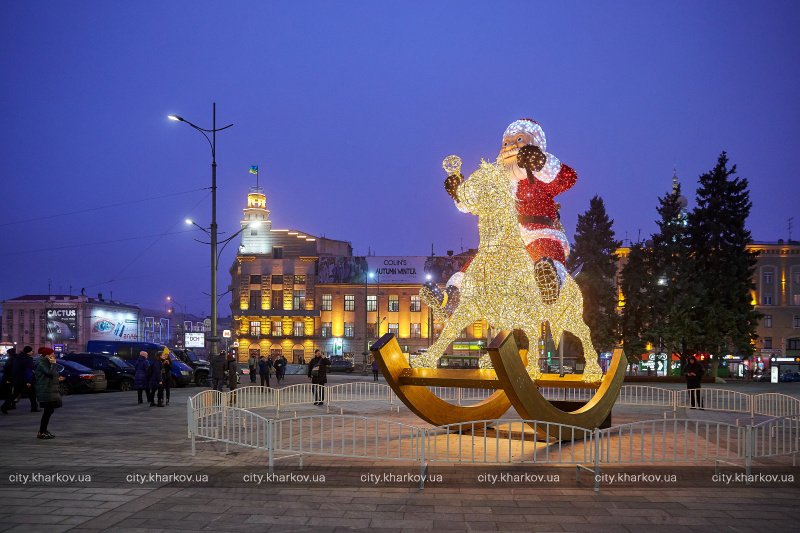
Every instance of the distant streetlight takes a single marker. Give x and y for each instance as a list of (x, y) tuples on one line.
[(213, 229)]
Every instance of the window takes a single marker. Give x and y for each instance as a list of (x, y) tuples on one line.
[(477, 330), (795, 299), (793, 344), (299, 299), (255, 328), (767, 321), (297, 328), (327, 302), (275, 351), (299, 280), (277, 299), (768, 277), (372, 303), (349, 330), (277, 328), (463, 334), (394, 328), (277, 280), (253, 232), (796, 321), (766, 299), (349, 302), (255, 300), (326, 330), (415, 305), (767, 343), (394, 303), (255, 280), (415, 330), (371, 330), (277, 252)]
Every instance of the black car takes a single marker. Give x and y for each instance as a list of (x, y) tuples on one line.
[(341, 365), (201, 367), (78, 378), (119, 374)]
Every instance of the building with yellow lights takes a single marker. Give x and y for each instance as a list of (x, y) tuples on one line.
[(294, 292)]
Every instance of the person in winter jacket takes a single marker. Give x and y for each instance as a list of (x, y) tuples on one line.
[(24, 383), (694, 376), (47, 389), (166, 378), (318, 372), (264, 366), (252, 364), (8, 382), (218, 364), (155, 380), (232, 368), (140, 376)]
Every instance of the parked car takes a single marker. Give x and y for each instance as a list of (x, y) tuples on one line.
[(341, 365), (182, 374), (201, 367), (78, 378), (790, 377), (119, 374)]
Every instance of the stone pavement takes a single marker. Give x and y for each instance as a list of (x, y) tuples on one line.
[(113, 440)]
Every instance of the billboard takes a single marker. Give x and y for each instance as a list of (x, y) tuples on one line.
[(113, 324), (194, 340), (411, 269), (62, 325)]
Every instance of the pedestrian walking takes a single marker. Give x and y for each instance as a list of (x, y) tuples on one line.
[(155, 380), (218, 371), (232, 367), (694, 375), (166, 378), (374, 370), (280, 368), (252, 364), (318, 373), (24, 382), (140, 375), (47, 389), (8, 390), (264, 368)]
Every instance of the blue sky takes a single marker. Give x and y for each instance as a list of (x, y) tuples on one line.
[(349, 107)]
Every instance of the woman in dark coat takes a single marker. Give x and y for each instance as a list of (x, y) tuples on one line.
[(166, 378), (264, 366), (47, 390), (140, 381), (155, 380)]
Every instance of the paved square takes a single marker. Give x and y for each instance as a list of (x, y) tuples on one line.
[(119, 444)]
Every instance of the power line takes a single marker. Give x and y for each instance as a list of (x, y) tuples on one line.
[(113, 241), (98, 208)]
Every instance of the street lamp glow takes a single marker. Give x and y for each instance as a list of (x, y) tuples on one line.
[(176, 118), (371, 275), (428, 277), (189, 221), (169, 298), (255, 224)]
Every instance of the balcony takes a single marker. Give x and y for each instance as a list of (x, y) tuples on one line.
[(306, 313)]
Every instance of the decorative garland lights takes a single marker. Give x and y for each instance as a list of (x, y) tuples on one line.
[(500, 284)]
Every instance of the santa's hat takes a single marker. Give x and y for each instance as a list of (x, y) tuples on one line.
[(529, 127)]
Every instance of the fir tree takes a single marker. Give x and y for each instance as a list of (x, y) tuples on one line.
[(595, 248), (636, 317), (722, 264), (673, 294)]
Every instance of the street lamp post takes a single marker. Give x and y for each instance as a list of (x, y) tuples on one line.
[(213, 233), (182, 329)]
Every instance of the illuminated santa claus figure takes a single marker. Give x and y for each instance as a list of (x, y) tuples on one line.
[(537, 177)]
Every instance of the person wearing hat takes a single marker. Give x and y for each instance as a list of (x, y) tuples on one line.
[(24, 379), (47, 389), (140, 381)]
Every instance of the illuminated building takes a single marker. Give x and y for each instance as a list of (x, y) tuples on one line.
[(294, 292)]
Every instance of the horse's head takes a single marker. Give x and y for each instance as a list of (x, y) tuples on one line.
[(487, 192)]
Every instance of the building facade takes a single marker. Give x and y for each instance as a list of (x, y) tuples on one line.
[(295, 292), (67, 322)]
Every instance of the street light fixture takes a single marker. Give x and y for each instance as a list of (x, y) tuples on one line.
[(213, 233)]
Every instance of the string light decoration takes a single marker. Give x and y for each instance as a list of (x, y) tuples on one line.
[(499, 285)]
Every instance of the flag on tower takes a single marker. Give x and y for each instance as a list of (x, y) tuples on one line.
[(254, 170)]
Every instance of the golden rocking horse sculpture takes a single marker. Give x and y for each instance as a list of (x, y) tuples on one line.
[(499, 286)]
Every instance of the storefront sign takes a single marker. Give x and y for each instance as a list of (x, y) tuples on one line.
[(113, 324), (194, 340), (62, 325)]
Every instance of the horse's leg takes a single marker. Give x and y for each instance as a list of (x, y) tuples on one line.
[(457, 321), (533, 351)]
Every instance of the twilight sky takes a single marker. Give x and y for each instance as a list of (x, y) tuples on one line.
[(348, 108)]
